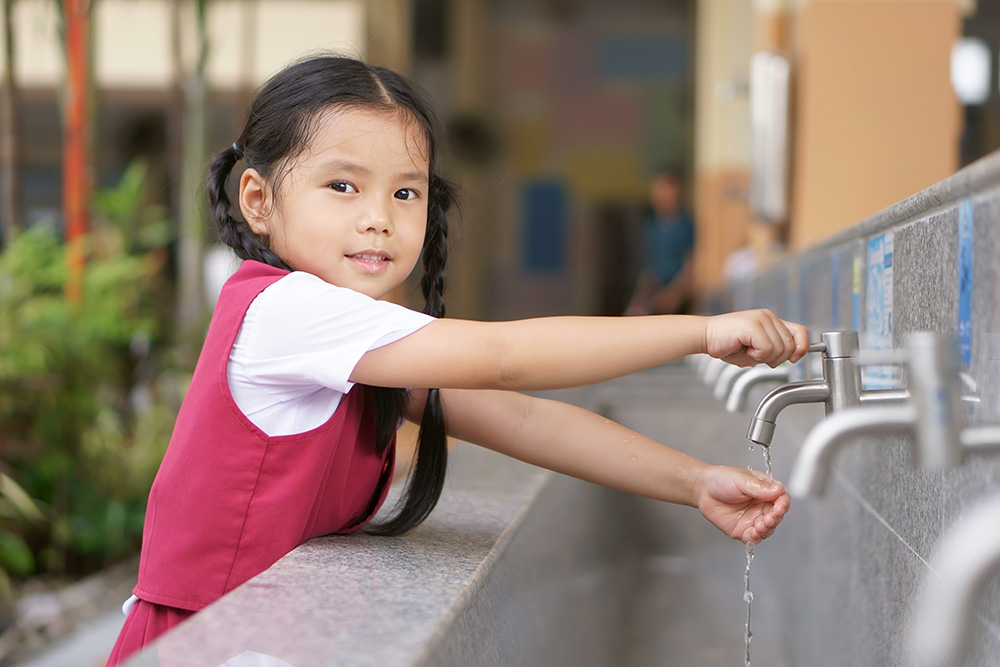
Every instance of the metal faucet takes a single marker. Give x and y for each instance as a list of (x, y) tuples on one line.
[(969, 554), (739, 389), (838, 389), (712, 369), (728, 377), (736, 397), (933, 415)]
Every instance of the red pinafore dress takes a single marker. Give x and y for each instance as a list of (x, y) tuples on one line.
[(228, 500)]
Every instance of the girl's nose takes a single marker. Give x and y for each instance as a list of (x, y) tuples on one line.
[(376, 218)]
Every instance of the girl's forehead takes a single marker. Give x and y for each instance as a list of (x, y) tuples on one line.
[(391, 133)]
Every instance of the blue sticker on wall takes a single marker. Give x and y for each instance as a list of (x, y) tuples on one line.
[(878, 308), (856, 270), (544, 233), (965, 229), (835, 290)]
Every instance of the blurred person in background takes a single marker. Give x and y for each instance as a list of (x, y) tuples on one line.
[(664, 287)]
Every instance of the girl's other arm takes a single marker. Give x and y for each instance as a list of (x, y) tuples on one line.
[(558, 352), (576, 442)]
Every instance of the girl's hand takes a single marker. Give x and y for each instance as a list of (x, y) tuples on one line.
[(751, 337), (742, 503)]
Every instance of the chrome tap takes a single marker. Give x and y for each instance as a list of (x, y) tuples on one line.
[(968, 556), (736, 398), (839, 388), (813, 464), (932, 415), (712, 369), (724, 383), (980, 440)]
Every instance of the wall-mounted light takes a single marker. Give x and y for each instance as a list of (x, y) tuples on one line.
[(970, 70)]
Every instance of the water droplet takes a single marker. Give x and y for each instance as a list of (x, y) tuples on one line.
[(748, 597)]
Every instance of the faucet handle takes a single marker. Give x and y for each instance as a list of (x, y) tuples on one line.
[(816, 347), (883, 357), (921, 350)]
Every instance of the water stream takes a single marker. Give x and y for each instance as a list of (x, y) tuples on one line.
[(747, 594)]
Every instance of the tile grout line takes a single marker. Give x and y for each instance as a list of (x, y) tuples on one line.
[(843, 481)]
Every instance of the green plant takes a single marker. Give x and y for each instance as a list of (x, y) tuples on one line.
[(84, 413), (17, 509)]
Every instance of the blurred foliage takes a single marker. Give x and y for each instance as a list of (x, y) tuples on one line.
[(86, 408)]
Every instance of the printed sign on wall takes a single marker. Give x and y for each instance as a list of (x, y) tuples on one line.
[(878, 309), (965, 282)]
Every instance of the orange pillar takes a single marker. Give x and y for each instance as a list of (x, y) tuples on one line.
[(76, 154)]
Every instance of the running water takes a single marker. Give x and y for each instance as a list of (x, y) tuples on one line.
[(748, 598), (747, 594)]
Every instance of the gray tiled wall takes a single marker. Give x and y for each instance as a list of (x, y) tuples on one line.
[(852, 563)]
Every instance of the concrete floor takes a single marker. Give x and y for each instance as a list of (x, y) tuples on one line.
[(88, 646)]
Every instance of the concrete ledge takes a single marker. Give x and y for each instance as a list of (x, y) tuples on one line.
[(482, 581), (516, 566)]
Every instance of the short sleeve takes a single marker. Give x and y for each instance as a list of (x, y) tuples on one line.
[(300, 341)]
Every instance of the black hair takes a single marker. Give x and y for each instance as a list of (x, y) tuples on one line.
[(279, 126)]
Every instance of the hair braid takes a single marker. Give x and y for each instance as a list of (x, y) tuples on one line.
[(435, 253), (423, 489)]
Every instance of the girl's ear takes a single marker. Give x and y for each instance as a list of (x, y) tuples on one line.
[(255, 201)]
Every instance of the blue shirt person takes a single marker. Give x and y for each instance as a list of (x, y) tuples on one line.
[(664, 286)]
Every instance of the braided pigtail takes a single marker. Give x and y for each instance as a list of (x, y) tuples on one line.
[(235, 233), (423, 489)]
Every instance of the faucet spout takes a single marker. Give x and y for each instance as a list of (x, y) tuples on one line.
[(980, 440), (884, 397), (724, 383), (969, 554), (740, 388), (812, 466), (762, 425)]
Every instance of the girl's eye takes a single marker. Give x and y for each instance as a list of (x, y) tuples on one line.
[(341, 186), (406, 193)]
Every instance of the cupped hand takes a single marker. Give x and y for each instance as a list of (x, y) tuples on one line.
[(744, 504), (751, 337)]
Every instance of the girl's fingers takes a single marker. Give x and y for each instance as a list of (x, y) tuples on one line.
[(773, 352), (800, 335), (791, 340), (790, 344), (764, 338)]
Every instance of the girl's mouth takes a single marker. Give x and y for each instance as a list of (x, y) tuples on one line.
[(371, 260)]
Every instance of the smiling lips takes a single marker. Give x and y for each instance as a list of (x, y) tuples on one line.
[(371, 260)]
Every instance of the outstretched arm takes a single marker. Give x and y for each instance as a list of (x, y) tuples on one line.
[(580, 443), (559, 352)]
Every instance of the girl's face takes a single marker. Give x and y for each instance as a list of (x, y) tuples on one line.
[(352, 208)]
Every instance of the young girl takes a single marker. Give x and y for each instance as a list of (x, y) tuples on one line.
[(288, 429)]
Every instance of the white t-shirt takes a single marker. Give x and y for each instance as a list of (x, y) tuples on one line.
[(299, 344)]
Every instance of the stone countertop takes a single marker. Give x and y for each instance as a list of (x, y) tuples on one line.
[(365, 600)]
